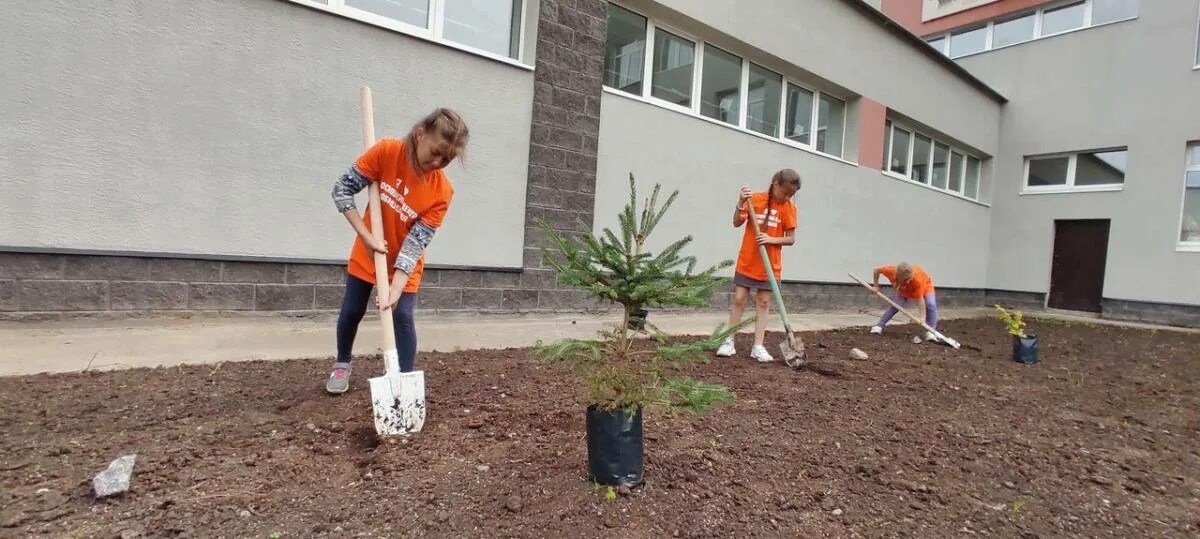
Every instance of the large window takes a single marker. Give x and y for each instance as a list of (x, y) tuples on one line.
[(1189, 227), (1052, 19), (490, 27), (914, 156), (666, 67), (1101, 170)]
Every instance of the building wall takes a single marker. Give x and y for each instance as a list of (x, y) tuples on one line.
[(1123, 84), (218, 128), (924, 19)]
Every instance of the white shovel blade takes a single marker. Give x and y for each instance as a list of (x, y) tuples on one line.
[(398, 401)]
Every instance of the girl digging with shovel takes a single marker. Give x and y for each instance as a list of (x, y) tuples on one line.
[(415, 196)]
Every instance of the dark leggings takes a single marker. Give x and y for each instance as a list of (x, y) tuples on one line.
[(354, 306)]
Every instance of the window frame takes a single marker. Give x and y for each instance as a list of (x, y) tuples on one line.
[(744, 91), (433, 30), (889, 136), (1180, 245), (1070, 186), (1038, 13)]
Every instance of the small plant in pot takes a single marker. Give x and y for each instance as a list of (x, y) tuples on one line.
[(1025, 346), (622, 375)]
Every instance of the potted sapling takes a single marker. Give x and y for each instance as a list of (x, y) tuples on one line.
[(1025, 346), (621, 373)]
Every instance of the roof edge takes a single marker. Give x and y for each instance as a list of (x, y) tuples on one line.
[(904, 33)]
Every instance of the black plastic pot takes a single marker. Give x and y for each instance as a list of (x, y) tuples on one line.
[(614, 443), (637, 319), (1025, 349)]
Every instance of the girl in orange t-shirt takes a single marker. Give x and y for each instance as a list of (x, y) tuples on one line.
[(777, 225), (911, 284), (414, 196)]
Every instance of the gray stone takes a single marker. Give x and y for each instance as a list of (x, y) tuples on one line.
[(316, 273), (184, 270), (330, 296), (460, 278), (283, 297), (481, 298), (439, 298), (107, 268), (31, 266), (539, 279), (128, 296), (8, 296), (252, 272), (566, 300), (63, 295), (221, 297), (519, 300), (858, 354), (501, 279), (116, 478)]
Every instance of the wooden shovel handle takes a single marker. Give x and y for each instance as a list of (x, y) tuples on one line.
[(376, 209)]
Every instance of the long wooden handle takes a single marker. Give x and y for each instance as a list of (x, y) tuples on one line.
[(894, 304), (376, 210)]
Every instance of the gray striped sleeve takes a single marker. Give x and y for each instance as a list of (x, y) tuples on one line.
[(419, 237), (344, 189)]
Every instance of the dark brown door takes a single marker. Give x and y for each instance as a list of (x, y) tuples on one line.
[(1077, 270)]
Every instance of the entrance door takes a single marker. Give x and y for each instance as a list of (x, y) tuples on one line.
[(1077, 269)]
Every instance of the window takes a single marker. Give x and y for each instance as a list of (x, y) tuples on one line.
[(1113, 10), (1052, 19), (799, 115), (935, 163), (1013, 31), (1063, 19), (625, 50), (674, 58), (1198, 45), (720, 87), (490, 28), (664, 67), (941, 166), (968, 41), (1189, 227), (484, 24), (920, 158), (1101, 170), (831, 125), (762, 105)]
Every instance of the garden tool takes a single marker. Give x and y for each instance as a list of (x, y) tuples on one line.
[(941, 338), (793, 346), (398, 398)]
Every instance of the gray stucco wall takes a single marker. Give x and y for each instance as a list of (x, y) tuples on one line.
[(835, 42), (850, 218), (1126, 84), (217, 128)]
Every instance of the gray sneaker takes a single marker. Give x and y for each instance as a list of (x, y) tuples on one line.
[(339, 379)]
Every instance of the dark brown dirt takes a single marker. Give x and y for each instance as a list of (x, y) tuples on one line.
[(1099, 440)]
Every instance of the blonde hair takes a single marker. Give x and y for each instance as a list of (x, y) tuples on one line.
[(447, 125), (786, 177), (904, 271)]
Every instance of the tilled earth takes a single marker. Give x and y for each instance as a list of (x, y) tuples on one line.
[(1101, 439)]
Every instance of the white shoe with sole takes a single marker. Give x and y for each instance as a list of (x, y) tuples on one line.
[(727, 349), (760, 354), (876, 330)]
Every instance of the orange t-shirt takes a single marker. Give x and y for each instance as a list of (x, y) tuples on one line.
[(781, 218), (918, 287), (405, 197)]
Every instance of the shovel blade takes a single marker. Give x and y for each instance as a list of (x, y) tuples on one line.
[(793, 352), (398, 402)]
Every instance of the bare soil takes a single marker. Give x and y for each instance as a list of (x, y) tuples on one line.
[(1101, 439)]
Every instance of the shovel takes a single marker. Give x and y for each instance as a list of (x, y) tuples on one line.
[(947, 340), (793, 347), (398, 398)]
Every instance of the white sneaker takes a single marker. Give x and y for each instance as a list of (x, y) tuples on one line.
[(726, 349), (760, 354), (876, 330), (929, 336)]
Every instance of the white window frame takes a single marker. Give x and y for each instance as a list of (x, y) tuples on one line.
[(433, 33), (1070, 186), (1197, 60), (1037, 27), (1180, 245), (744, 91), (889, 136)]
